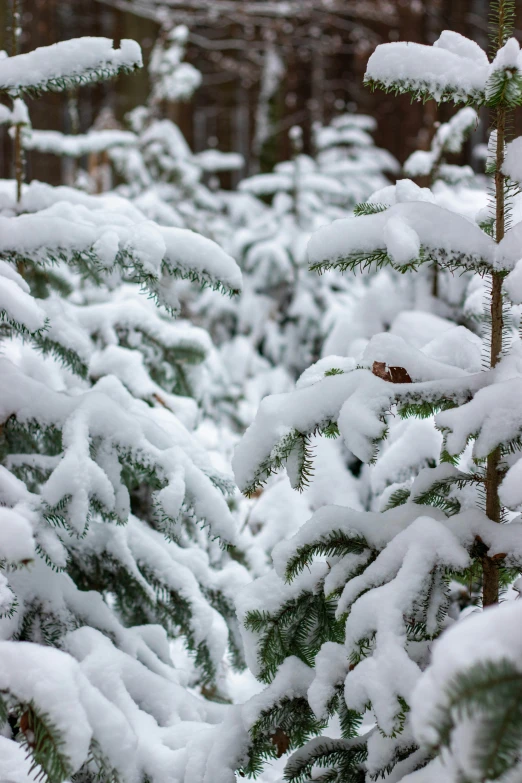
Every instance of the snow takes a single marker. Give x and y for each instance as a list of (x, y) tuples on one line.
[(403, 190), (413, 546), (81, 144), (172, 79), (418, 328), (402, 241), (269, 593), (16, 537), (215, 160), (455, 68), (272, 74), (52, 682), (376, 528), (79, 58), (333, 136), (356, 400), (395, 351), (15, 767), (116, 515), (16, 304), (331, 667), (449, 138), (20, 113), (284, 180), (442, 233), (67, 229), (453, 64), (291, 682), (512, 166), (411, 445), (419, 164), (493, 414), (280, 414), (107, 409), (507, 56), (193, 251), (489, 636), (513, 283)]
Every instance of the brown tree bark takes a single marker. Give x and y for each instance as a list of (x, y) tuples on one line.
[(490, 586)]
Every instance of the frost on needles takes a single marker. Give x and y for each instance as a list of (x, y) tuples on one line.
[(347, 625), (104, 487)]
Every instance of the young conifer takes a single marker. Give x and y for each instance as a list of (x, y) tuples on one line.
[(102, 484), (346, 624)]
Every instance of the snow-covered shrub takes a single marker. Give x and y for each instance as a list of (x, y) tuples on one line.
[(282, 306), (448, 139), (344, 626), (303, 194), (345, 150), (468, 701), (172, 79), (456, 185), (162, 175), (104, 487)]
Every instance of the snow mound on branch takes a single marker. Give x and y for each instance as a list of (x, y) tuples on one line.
[(78, 57), (488, 637), (81, 144), (442, 232), (454, 68), (453, 63)]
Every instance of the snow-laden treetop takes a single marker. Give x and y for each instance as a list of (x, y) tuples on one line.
[(67, 64)]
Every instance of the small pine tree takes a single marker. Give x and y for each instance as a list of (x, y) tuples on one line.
[(172, 79), (432, 166), (449, 139), (345, 625), (345, 150), (90, 145), (103, 487), (161, 174), (271, 249)]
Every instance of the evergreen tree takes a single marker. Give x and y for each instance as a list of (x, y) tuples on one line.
[(172, 79), (346, 623), (90, 145), (104, 489), (345, 150), (447, 140), (281, 311), (433, 166), (161, 174)]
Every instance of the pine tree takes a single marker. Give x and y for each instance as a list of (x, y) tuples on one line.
[(172, 79), (104, 489), (161, 174), (433, 166), (282, 309), (345, 150), (303, 194), (447, 140), (88, 145), (345, 625)]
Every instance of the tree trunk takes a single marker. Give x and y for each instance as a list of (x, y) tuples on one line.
[(493, 469)]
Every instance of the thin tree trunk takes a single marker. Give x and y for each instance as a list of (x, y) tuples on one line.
[(490, 586), (16, 26), (19, 162), (16, 33)]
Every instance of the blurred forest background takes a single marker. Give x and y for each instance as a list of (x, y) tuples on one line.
[(267, 65)]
